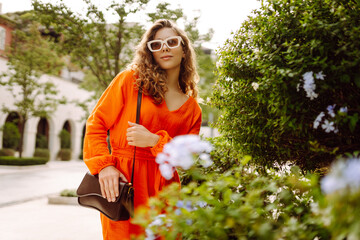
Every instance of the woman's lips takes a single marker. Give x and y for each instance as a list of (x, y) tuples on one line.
[(167, 57)]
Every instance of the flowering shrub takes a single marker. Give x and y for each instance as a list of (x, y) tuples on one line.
[(341, 209), (242, 203), (289, 83)]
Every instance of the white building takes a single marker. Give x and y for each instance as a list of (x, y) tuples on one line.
[(68, 116)]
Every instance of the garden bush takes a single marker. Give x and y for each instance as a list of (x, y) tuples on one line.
[(64, 154), (15, 161), (289, 83), (42, 152), (65, 139), (11, 135), (7, 152), (245, 203), (41, 141)]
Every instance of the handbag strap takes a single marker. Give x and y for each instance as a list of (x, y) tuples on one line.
[(138, 107)]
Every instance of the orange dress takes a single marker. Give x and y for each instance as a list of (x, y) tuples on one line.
[(114, 109)]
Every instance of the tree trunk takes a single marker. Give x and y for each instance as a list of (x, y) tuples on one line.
[(22, 130)]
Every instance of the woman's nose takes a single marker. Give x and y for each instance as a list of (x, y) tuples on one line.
[(165, 48)]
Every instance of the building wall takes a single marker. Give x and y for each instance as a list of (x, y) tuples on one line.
[(68, 112), (4, 30)]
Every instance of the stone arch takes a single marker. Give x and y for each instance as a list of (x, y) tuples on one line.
[(69, 126), (12, 117), (42, 134)]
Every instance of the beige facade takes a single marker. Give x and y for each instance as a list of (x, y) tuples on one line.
[(70, 113)]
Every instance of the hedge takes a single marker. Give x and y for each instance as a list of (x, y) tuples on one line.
[(15, 161), (7, 152)]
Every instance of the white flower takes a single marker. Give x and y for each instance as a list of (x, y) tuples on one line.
[(255, 85), (298, 87), (179, 153), (308, 76), (158, 221), (352, 172), (312, 95), (205, 160), (309, 85), (318, 120), (343, 110), (149, 234), (330, 110), (343, 175), (320, 75), (328, 126), (166, 170)]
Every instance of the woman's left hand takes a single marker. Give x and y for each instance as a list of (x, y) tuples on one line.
[(137, 135)]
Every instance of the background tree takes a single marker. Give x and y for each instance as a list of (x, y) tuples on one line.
[(103, 49), (30, 56)]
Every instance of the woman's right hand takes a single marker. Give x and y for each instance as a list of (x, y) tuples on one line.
[(109, 182)]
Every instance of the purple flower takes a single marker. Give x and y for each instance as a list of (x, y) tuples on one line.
[(330, 110)]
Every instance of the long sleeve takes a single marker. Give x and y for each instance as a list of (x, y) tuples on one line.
[(104, 115), (165, 137)]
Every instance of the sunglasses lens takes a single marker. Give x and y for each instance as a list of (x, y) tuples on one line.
[(156, 45), (173, 42)]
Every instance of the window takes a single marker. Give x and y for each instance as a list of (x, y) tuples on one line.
[(2, 38)]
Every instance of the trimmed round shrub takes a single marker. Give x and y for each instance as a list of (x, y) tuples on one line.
[(42, 152), (65, 139), (11, 135), (15, 161), (65, 154), (7, 152), (289, 83), (41, 141)]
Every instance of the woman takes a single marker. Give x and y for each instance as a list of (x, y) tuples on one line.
[(164, 66)]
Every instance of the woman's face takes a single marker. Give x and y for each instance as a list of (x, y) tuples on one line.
[(168, 58)]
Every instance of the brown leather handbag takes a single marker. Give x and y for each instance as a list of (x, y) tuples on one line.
[(89, 192)]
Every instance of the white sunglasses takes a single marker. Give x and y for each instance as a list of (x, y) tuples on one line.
[(171, 42)]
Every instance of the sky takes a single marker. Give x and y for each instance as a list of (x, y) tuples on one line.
[(224, 16)]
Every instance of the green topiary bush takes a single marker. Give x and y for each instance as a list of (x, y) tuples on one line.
[(289, 83), (42, 152), (15, 161), (65, 139), (64, 154), (41, 141), (7, 152), (11, 135)]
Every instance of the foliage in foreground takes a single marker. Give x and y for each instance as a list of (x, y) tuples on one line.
[(242, 203), (289, 83)]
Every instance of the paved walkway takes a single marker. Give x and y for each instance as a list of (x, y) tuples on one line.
[(24, 210)]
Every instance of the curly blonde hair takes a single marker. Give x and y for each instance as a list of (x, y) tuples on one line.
[(152, 77)]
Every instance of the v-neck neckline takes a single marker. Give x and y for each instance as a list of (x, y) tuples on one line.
[(165, 104)]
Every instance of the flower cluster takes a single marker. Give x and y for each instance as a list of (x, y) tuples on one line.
[(158, 221), (343, 175), (328, 125), (309, 83), (179, 153)]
